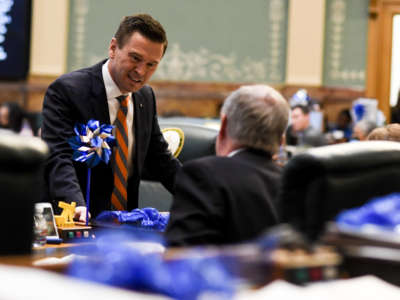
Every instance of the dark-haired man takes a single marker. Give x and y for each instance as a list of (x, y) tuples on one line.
[(300, 132), (94, 93)]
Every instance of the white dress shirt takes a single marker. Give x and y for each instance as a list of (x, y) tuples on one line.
[(234, 152), (112, 91)]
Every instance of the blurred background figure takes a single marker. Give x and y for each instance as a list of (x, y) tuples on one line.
[(366, 109), (362, 129), (300, 132), (390, 132), (344, 123), (395, 113), (340, 131), (12, 118), (302, 98)]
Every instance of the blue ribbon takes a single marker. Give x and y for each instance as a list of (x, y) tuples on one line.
[(146, 218), (92, 144), (359, 111), (383, 212), (301, 97), (114, 260)]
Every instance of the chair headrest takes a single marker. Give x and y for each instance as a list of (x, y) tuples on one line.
[(320, 182), (21, 151), (348, 156), (199, 139)]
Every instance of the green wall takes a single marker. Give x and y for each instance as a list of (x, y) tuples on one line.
[(345, 47), (225, 40), (209, 40)]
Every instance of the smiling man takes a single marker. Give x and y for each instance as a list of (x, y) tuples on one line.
[(113, 91)]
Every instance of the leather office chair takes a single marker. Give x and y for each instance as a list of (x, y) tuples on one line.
[(321, 182), (199, 141), (21, 161)]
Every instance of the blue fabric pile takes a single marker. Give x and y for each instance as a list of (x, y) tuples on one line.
[(113, 261), (383, 212), (146, 218)]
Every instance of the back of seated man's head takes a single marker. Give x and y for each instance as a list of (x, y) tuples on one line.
[(390, 132), (344, 120), (256, 117), (362, 129), (300, 118)]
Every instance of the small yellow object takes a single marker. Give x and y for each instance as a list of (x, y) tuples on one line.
[(175, 139), (66, 219)]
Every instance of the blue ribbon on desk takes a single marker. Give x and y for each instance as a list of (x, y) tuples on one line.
[(146, 218), (115, 259), (383, 212), (92, 144)]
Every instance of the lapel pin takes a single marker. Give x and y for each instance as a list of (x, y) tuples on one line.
[(140, 105)]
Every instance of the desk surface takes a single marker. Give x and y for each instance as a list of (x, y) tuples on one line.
[(38, 254), (37, 258)]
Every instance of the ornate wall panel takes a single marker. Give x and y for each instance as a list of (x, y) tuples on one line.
[(222, 41), (345, 47)]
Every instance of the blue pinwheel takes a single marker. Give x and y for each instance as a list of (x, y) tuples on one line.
[(92, 144)]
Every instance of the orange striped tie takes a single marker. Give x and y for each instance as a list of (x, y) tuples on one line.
[(119, 197)]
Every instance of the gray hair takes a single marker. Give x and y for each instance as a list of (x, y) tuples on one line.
[(257, 117), (366, 126)]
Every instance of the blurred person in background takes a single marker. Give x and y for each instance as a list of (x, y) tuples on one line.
[(344, 123), (390, 132), (12, 118), (362, 129), (300, 132), (395, 113)]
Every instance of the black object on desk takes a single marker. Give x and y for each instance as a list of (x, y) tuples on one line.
[(53, 240), (21, 161), (76, 234), (367, 254), (319, 183)]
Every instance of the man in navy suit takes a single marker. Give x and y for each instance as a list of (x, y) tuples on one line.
[(134, 54), (231, 197)]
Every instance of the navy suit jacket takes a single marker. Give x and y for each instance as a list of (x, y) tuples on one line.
[(77, 97), (224, 200)]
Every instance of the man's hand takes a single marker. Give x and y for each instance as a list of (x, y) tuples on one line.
[(80, 214)]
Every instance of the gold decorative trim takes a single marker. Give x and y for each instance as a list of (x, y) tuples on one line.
[(175, 138)]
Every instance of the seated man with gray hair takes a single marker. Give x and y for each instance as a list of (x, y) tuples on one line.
[(230, 198), (362, 129)]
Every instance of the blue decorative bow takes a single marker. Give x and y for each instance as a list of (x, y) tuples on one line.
[(146, 218), (359, 111), (92, 143), (301, 97)]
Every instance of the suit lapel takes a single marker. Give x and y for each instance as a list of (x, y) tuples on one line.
[(99, 98)]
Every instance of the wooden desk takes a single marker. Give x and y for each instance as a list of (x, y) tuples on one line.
[(37, 258)]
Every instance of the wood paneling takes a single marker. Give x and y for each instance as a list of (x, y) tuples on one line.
[(29, 94), (187, 98), (190, 98), (380, 24), (205, 99)]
